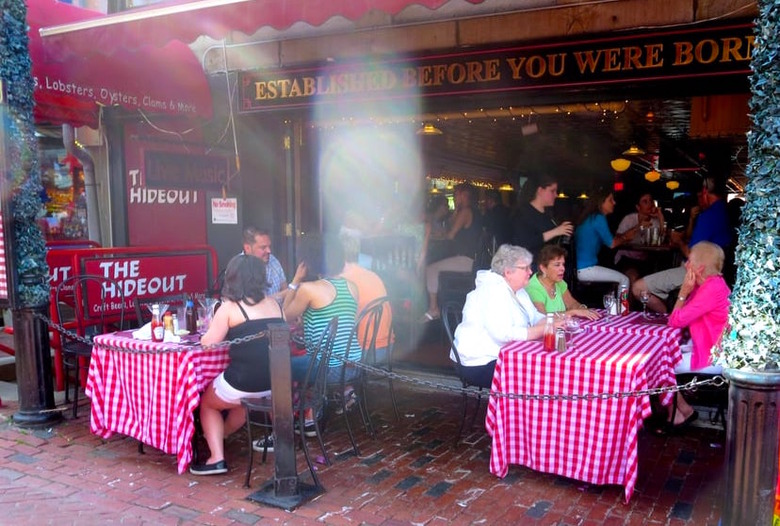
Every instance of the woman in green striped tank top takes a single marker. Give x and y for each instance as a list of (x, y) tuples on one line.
[(318, 301)]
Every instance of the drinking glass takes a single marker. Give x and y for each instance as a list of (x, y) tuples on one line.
[(609, 303), (644, 297), (571, 327)]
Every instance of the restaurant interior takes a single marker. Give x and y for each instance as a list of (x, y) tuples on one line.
[(664, 145)]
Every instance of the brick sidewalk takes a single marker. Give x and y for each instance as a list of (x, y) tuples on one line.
[(409, 475)]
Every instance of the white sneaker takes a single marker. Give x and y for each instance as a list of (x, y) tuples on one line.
[(309, 430), (266, 444)]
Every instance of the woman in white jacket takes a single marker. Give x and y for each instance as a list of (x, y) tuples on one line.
[(496, 312)]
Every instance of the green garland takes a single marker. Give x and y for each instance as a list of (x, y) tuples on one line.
[(24, 179), (754, 340)]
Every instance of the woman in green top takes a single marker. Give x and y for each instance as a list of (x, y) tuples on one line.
[(547, 289)]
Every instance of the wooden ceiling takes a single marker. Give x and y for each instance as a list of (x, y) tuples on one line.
[(576, 142)]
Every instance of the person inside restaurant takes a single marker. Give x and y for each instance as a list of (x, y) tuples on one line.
[(245, 310), (593, 233), (317, 302), (533, 226), (434, 231), (464, 233), (708, 222), (497, 219), (496, 312), (702, 305), (648, 218), (548, 290)]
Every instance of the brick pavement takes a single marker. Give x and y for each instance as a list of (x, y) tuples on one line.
[(409, 475)]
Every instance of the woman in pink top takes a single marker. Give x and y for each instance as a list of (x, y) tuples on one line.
[(703, 307)]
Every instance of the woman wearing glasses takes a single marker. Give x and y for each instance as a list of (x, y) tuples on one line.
[(497, 311)]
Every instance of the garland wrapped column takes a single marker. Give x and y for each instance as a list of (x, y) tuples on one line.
[(27, 272), (752, 348)]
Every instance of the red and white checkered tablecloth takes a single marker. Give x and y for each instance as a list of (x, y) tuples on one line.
[(149, 396), (593, 441), (635, 323)]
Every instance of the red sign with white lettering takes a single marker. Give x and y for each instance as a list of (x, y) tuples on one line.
[(149, 276), (172, 216)]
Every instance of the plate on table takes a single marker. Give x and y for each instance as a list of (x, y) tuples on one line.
[(182, 332)]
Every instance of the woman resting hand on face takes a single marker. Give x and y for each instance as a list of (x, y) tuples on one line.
[(547, 289)]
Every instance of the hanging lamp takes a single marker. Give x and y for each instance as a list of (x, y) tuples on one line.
[(620, 164)]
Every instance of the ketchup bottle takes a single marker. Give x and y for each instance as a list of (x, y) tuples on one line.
[(157, 325), (549, 333)]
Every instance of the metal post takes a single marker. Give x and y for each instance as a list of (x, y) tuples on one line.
[(751, 447), (33, 369), (285, 490), (31, 336)]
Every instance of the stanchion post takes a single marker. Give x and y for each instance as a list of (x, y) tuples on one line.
[(285, 490)]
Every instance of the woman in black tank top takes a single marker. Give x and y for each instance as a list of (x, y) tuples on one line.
[(244, 311)]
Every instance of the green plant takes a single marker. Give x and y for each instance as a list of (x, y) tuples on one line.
[(754, 340), (23, 180)]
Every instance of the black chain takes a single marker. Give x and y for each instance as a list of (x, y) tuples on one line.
[(694, 384), (173, 347)]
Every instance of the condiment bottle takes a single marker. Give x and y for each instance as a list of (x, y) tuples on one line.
[(192, 320), (560, 340), (175, 322), (168, 322), (549, 333), (623, 298), (157, 325)]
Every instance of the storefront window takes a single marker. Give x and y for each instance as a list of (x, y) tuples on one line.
[(63, 197)]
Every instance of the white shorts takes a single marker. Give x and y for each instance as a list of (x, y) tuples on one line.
[(685, 364), (230, 394)]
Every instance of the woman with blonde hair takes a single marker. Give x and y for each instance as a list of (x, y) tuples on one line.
[(703, 306)]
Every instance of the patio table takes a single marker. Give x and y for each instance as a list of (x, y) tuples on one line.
[(147, 391), (591, 440)]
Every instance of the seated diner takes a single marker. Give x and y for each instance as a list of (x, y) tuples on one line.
[(593, 233), (496, 312), (547, 289), (245, 310), (702, 305)]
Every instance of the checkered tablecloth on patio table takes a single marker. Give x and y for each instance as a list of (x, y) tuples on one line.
[(149, 396), (593, 441)]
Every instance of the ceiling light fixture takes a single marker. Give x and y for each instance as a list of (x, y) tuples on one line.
[(429, 129), (620, 164), (652, 176), (562, 195), (634, 150), (583, 195), (672, 185)]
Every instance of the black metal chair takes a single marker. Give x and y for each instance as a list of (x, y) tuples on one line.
[(452, 315), (374, 313), (365, 331), (309, 396), (86, 305)]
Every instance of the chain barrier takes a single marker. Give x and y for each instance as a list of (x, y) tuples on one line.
[(695, 383), (173, 347)]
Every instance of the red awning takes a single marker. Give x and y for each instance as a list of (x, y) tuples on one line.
[(186, 20), (70, 89)]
